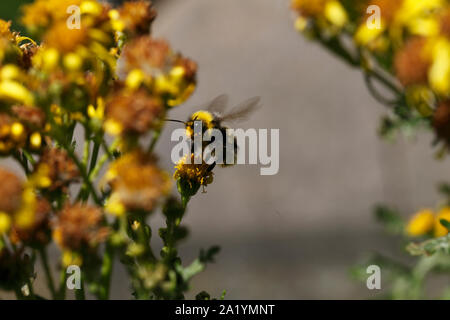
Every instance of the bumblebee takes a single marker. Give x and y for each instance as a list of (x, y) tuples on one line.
[(213, 115)]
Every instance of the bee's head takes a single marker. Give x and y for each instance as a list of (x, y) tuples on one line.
[(205, 117)]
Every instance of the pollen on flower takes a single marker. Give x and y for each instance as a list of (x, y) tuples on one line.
[(192, 173)]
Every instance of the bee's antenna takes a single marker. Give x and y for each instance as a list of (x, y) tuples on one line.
[(173, 120)]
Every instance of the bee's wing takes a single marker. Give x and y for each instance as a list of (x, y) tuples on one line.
[(242, 111), (218, 104)]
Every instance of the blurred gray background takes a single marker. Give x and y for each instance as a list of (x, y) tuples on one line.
[(293, 235)]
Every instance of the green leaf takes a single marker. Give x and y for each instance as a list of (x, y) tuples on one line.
[(431, 246), (209, 255), (390, 219), (444, 188), (199, 264), (445, 223)]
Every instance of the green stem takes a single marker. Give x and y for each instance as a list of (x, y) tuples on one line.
[(106, 271), (387, 83), (94, 157), (31, 290), (156, 136), (84, 175), (373, 91), (108, 155), (86, 149), (62, 285), (29, 157), (18, 293), (22, 161), (335, 46), (79, 293), (47, 271), (144, 239)]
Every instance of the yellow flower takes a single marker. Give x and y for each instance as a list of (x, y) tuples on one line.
[(364, 35), (5, 222), (439, 229), (70, 258), (5, 29), (327, 12), (114, 206), (439, 73), (135, 78), (24, 218), (36, 140), (99, 112), (416, 17), (335, 13), (192, 173), (10, 72), (91, 7), (421, 223), (14, 91), (73, 62)]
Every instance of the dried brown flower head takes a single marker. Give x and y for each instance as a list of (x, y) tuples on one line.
[(136, 182), (441, 121), (137, 16), (61, 169), (411, 64), (39, 231), (11, 190), (132, 112), (189, 67), (309, 8), (79, 226), (146, 54), (30, 115)]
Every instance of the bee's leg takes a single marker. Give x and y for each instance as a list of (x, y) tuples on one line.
[(211, 167)]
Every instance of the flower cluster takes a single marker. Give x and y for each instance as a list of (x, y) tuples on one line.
[(403, 45), (94, 70)]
